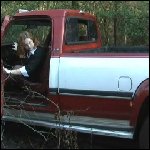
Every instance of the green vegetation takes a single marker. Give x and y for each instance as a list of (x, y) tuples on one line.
[(120, 22)]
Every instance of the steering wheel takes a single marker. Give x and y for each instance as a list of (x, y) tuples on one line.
[(9, 55)]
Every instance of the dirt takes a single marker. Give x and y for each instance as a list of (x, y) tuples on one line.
[(18, 136)]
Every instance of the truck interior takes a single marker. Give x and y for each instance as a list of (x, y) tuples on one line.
[(42, 30)]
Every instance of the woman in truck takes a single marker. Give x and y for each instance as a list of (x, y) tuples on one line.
[(29, 48)]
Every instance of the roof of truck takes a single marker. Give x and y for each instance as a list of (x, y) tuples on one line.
[(53, 13)]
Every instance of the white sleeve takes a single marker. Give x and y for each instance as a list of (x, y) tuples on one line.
[(24, 71)]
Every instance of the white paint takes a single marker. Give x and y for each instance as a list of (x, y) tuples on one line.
[(98, 74), (54, 75)]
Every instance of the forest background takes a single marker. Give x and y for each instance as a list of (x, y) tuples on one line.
[(121, 23)]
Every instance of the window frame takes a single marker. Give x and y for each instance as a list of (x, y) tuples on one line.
[(80, 42)]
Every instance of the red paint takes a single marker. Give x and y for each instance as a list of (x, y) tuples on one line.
[(96, 107), (107, 55), (140, 96), (4, 26)]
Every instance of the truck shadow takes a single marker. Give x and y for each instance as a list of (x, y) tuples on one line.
[(103, 142)]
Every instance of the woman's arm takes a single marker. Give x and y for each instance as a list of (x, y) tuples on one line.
[(15, 72)]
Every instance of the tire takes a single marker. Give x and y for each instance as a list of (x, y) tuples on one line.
[(144, 135)]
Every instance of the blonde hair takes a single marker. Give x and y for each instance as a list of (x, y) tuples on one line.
[(21, 45)]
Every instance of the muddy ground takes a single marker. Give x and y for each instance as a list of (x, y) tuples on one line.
[(18, 136)]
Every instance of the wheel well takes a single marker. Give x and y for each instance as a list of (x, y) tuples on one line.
[(144, 112)]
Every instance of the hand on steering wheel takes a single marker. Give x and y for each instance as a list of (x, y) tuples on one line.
[(15, 46), (6, 70)]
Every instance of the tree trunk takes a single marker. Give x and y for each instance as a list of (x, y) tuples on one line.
[(115, 23), (75, 5), (115, 31)]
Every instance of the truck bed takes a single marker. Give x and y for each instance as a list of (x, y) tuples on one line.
[(129, 49)]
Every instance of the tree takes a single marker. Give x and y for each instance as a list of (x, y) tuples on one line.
[(120, 23)]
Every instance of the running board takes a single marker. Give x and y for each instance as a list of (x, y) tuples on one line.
[(26, 117)]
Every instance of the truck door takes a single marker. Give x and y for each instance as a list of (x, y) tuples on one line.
[(4, 24), (34, 94)]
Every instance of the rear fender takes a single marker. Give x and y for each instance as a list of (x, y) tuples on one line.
[(141, 95)]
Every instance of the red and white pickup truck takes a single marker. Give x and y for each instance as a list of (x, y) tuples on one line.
[(106, 89)]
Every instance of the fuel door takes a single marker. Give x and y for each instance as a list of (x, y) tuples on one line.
[(124, 83)]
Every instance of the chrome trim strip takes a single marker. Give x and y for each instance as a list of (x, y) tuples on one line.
[(90, 93), (97, 126), (97, 96), (121, 134)]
